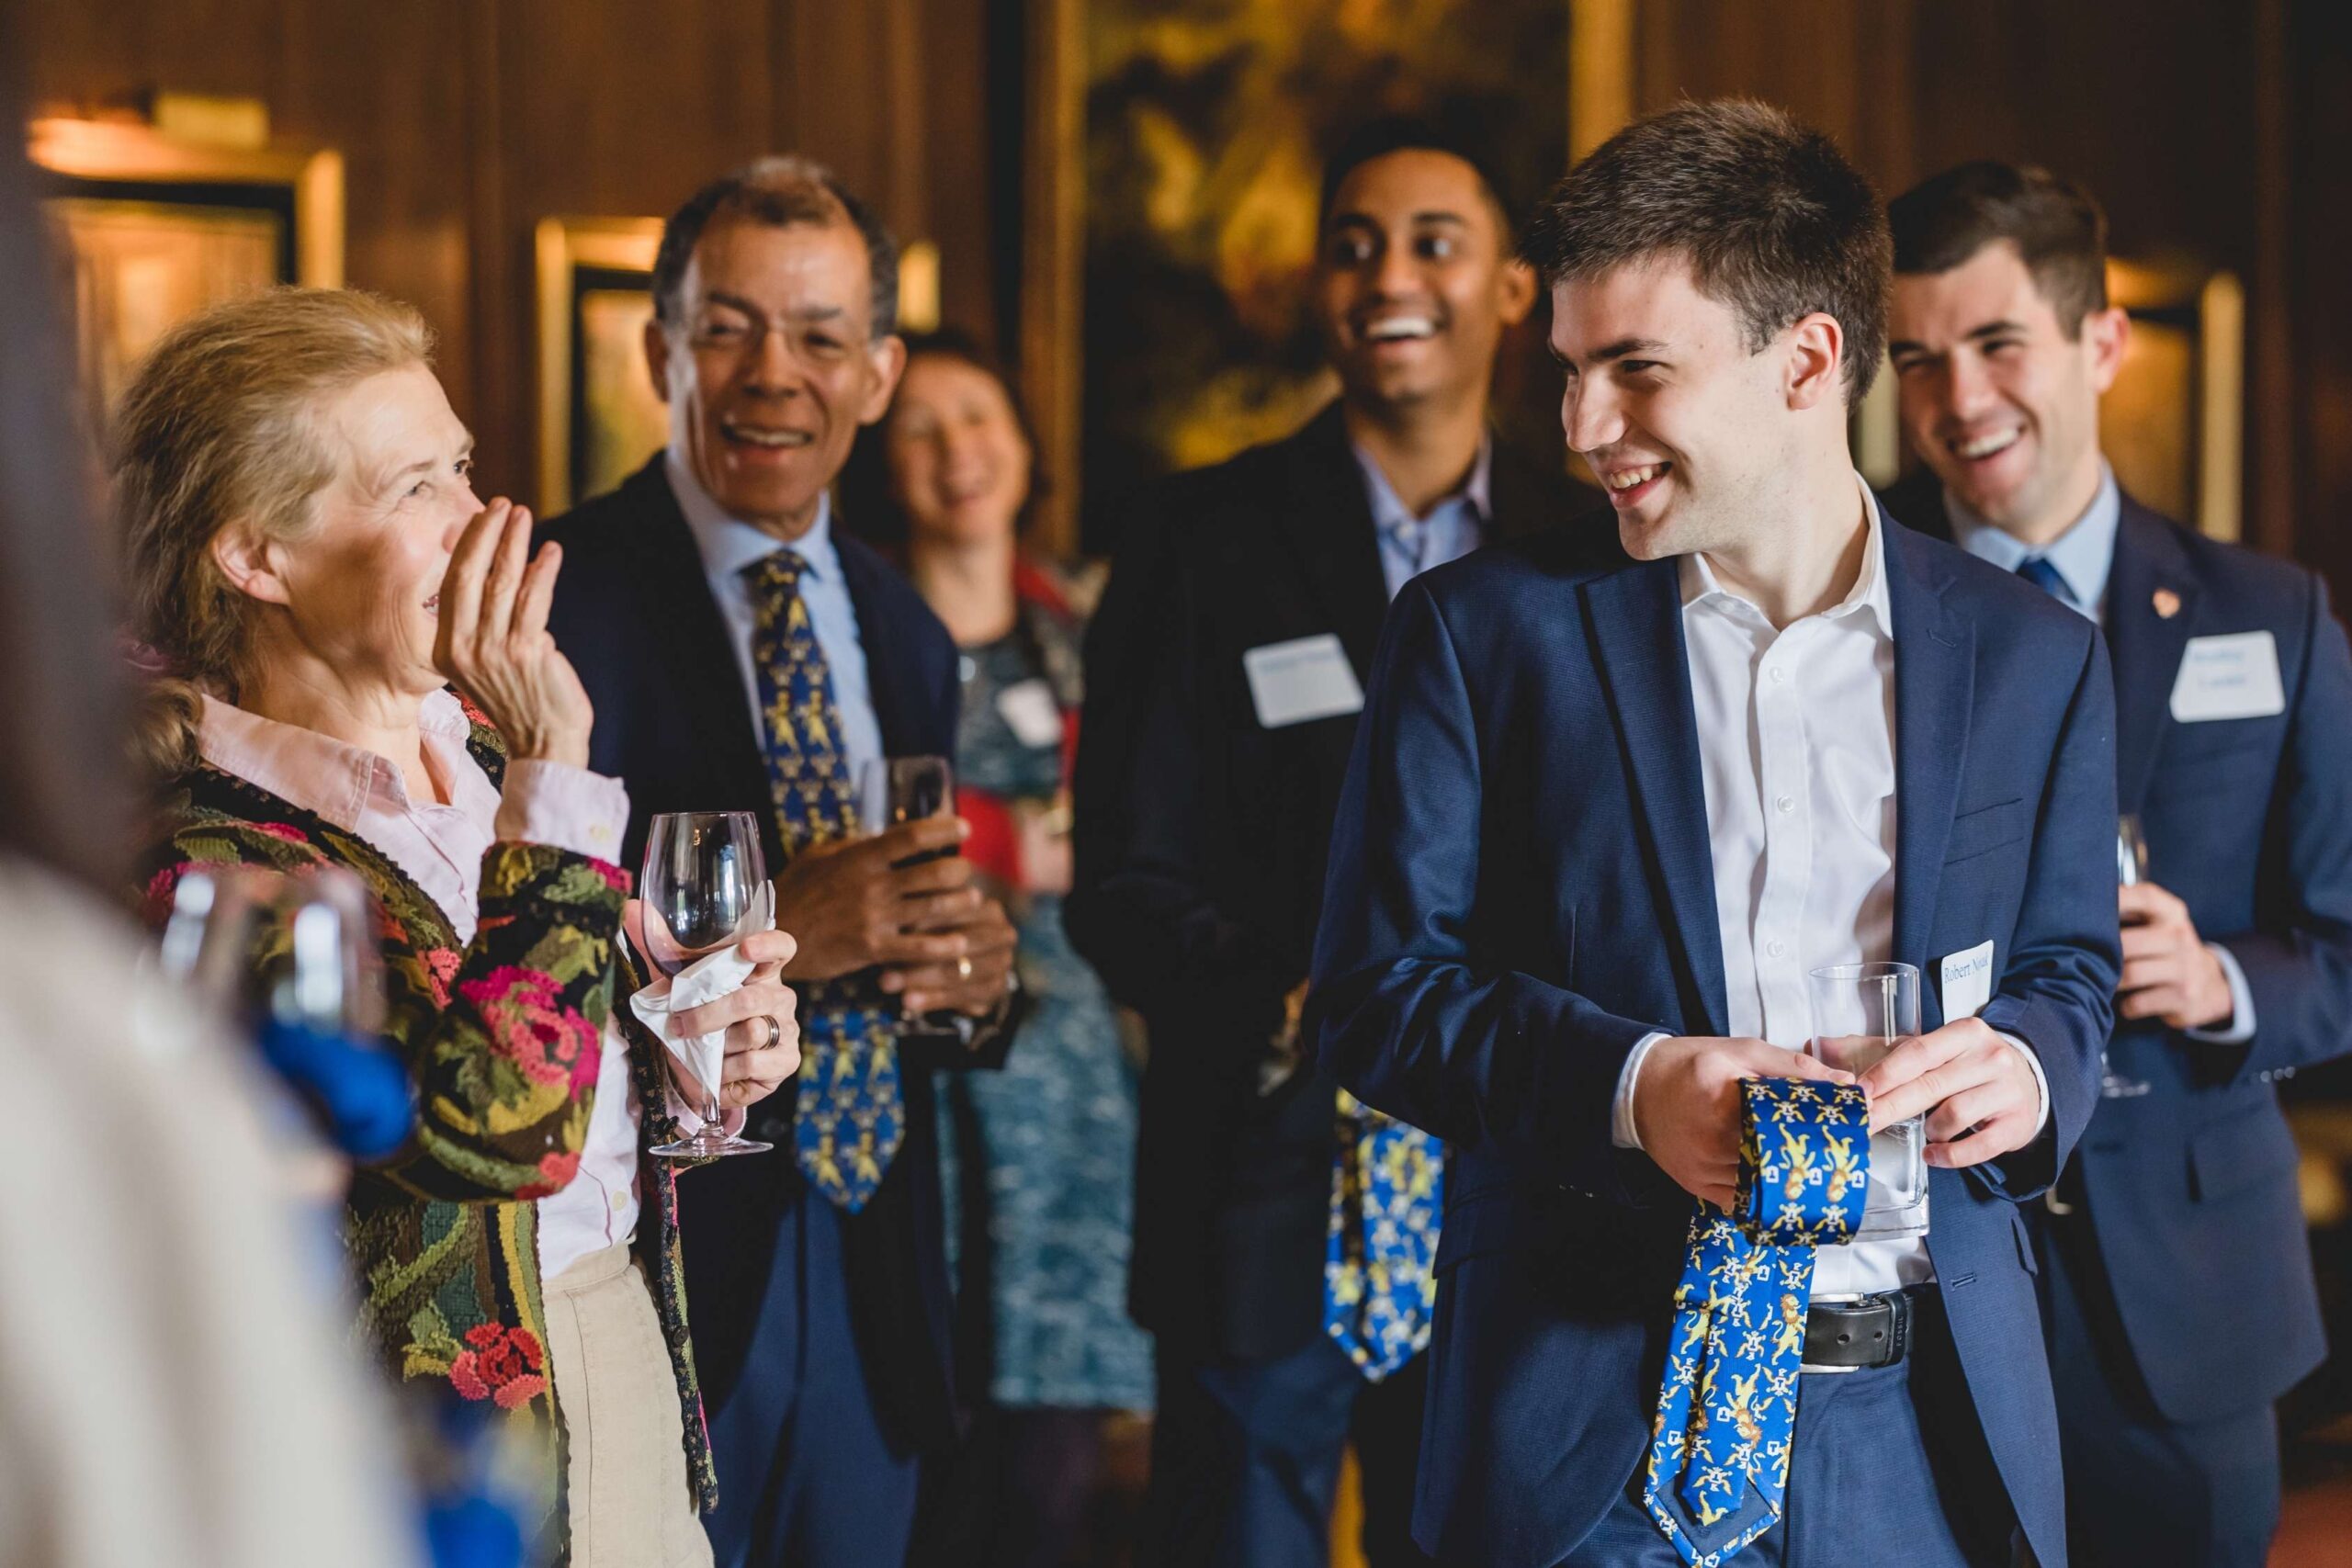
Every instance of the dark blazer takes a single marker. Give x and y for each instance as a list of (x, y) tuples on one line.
[(1201, 844), (1521, 889), (634, 613), (2190, 1188)]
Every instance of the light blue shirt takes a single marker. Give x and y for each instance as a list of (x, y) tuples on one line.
[(2084, 557), (1455, 527), (728, 545)]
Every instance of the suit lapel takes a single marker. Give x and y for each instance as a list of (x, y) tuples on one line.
[(2144, 646), (898, 707), (1636, 620), (1935, 664), (1326, 518)]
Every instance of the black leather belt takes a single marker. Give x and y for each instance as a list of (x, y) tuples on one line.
[(1869, 1331)]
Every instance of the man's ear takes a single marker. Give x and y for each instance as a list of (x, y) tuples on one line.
[(657, 356), (1515, 292), (2105, 334), (252, 565), (889, 359), (1817, 360)]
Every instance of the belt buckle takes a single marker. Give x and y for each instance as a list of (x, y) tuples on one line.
[(1809, 1368)]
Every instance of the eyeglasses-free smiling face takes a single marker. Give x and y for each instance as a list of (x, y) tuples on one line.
[(1681, 423), (959, 463), (1998, 401), (1414, 281), (772, 366)]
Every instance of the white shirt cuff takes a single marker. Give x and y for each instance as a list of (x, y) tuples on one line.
[(563, 808), (1620, 1112), (2040, 1081), (2238, 1028)]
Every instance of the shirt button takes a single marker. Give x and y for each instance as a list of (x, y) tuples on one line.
[(1778, 674), (1775, 947), (1786, 803)]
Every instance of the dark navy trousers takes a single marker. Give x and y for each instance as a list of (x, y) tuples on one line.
[(2142, 1490), (806, 1478), (1889, 1467), (1245, 1460)]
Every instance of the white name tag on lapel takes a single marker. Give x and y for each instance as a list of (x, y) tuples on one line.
[(1029, 710), (1306, 678), (1967, 982), (2228, 677)]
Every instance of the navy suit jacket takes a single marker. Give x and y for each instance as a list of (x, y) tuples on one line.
[(634, 613), (1521, 889), (2190, 1187)]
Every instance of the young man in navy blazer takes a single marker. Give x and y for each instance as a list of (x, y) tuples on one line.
[(2176, 1268), (822, 1312), (1610, 801)]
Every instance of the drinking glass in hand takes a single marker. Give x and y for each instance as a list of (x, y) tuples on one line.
[(1862, 1011), (892, 790), (701, 887), (2131, 870)]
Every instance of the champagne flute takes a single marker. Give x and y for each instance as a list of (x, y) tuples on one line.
[(892, 790), (2131, 870), (701, 886)]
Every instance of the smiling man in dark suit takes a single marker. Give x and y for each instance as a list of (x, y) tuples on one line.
[(2175, 1268), (1223, 676), (1613, 800), (744, 653)]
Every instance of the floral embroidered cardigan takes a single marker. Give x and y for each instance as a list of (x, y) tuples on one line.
[(503, 1042)]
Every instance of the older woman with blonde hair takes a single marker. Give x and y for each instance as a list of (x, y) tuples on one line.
[(312, 570)]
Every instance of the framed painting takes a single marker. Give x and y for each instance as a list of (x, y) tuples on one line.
[(2172, 425), (599, 418), (152, 228)]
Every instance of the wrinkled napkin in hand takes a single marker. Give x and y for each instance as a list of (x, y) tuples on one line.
[(707, 979)]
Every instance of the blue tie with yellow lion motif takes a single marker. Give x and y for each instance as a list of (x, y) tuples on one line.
[(1726, 1415), (1379, 1280), (850, 1116)]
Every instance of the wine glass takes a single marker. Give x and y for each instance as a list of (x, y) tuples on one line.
[(1860, 1012), (2131, 870), (704, 874), (892, 790)]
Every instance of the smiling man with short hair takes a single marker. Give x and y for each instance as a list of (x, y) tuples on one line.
[(2175, 1268)]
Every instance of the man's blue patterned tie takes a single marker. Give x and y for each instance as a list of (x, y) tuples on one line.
[(2042, 575), (851, 1114), (1387, 1195), (1726, 1415)]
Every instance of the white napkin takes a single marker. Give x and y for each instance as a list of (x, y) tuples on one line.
[(707, 979)]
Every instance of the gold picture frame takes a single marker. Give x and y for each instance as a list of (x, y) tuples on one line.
[(599, 417), (156, 227), (2172, 426)]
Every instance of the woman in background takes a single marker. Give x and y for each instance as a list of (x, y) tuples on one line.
[(1041, 1155), (309, 559)]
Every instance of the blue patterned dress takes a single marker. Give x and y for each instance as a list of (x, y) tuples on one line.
[(1040, 1158)]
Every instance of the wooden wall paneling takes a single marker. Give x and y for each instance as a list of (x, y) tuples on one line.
[(1053, 259), (959, 148)]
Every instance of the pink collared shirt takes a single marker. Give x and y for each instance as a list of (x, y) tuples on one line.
[(440, 848)]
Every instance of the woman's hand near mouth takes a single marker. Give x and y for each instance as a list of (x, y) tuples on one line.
[(490, 637)]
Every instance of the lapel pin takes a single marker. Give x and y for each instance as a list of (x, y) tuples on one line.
[(2168, 603)]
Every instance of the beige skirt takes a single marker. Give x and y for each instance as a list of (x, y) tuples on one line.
[(630, 1505)]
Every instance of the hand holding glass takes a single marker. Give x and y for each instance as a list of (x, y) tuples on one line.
[(893, 790), (1862, 1011), (703, 872)]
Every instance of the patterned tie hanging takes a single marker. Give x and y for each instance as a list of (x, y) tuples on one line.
[(1718, 1471), (851, 1115), (1387, 1195)]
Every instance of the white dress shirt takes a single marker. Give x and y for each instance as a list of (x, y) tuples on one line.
[(2084, 557), (1796, 750), (727, 546)]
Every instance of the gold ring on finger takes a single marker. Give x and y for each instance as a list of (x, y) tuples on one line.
[(963, 968)]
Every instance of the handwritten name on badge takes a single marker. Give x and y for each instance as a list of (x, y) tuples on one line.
[(2228, 677), (1966, 984), (1306, 678)]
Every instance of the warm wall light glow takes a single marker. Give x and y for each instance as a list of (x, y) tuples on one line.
[(919, 287)]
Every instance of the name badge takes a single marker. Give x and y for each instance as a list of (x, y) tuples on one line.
[(2228, 677), (1029, 710), (1306, 678), (1967, 982)]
